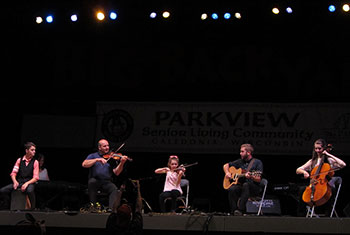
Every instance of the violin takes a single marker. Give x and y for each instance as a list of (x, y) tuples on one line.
[(115, 156)]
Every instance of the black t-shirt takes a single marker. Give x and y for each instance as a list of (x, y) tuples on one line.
[(135, 226), (240, 163)]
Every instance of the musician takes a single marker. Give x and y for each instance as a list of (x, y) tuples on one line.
[(101, 172), (320, 150), (172, 186), (43, 172), (24, 174), (249, 185)]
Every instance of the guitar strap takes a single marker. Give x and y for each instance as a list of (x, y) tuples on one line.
[(250, 164)]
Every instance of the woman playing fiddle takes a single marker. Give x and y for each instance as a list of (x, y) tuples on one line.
[(172, 186), (320, 155), (101, 171)]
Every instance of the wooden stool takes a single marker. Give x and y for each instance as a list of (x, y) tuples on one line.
[(19, 201)]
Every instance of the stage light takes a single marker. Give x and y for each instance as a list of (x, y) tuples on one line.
[(166, 14), (227, 16), (346, 7), (331, 8), (214, 16), (289, 10), (38, 20), (238, 15), (100, 16), (275, 11), (74, 17), (49, 19), (204, 16), (153, 15), (113, 15)]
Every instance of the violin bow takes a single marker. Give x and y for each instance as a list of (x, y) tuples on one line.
[(186, 165), (121, 146)]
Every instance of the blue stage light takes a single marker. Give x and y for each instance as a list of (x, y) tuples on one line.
[(227, 16), (113, 15), (331, 8), (153, 15), (49, 19), (214, 16), (289, 10)]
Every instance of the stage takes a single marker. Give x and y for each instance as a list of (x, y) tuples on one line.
[(59, 222)]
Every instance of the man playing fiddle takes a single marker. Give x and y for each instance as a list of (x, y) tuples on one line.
[(101, 172)]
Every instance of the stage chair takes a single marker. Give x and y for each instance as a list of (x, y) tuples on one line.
[(183, 199), (336, 183), (260, 199)]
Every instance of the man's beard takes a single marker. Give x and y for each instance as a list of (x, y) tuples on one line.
[(245, 157)]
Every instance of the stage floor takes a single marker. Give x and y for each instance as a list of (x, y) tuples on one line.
[(195, 222)]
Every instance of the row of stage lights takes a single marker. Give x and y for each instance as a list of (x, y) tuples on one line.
[(112, 15), (331, 8)]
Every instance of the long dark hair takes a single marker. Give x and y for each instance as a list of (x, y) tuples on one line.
[(41, 156), (323, 144)]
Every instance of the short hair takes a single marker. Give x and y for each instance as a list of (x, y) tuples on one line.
[(28, 145), (248, 147)]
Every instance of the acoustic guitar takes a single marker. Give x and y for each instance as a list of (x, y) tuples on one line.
[(236, 174)]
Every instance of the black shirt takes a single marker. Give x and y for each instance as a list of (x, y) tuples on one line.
[(240, 163)]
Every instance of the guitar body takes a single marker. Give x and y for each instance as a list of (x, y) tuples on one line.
[(236, 175)]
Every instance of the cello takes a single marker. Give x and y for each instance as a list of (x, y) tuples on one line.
[(319, 191)]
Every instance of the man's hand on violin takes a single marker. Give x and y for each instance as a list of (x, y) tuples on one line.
[(123, 158), (102, 160)]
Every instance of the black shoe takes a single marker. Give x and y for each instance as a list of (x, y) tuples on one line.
[(237, 213)]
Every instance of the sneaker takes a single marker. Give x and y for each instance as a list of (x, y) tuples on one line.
[(237, 213)]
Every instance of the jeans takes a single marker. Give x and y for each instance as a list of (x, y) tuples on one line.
[(105, 186)]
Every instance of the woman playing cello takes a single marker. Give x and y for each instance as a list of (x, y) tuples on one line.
[(319, 169)]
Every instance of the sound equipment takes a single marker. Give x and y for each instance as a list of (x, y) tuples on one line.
[(19, 201), (269, 206)]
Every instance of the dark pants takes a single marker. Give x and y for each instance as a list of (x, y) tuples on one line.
[(242, 192), (105, 186), (173, 194), (5, 193)]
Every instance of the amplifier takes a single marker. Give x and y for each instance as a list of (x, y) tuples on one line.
[(269, 206)]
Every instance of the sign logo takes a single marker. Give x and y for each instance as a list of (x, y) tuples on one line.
[(117, 125)]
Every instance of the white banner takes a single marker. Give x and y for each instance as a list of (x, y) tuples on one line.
[(272, 128)]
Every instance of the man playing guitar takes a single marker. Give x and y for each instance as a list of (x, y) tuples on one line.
[(245, 185)]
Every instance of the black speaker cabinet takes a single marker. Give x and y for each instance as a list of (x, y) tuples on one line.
[(269, 206)]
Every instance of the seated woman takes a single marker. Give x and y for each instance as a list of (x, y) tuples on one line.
[(43, 173), (172, 186)]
